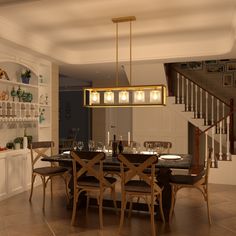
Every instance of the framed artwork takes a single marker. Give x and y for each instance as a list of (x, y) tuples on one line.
[(228, 79), (195, 65), (217, 68), (231, 66), (184, 65), (210, 62)]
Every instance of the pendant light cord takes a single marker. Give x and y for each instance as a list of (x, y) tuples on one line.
[(130, 46), (117, 76)]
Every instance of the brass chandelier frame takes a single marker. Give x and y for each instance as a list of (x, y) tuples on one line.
[(125, 96)]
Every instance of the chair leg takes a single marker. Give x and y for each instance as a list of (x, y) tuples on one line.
[(51, 188), (122, 213), (44, 188), (161, 209), (32, 186), (87, 203), (67, 191), (100, 209), (113, 192), (208, 207), (173, 196), (76, 195), (130, 206), (152, 217)]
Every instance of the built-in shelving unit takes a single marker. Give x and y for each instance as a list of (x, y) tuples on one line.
[(23, 108)]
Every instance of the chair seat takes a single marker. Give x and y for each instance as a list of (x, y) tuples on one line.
[(50, 170), (92, 181), (137, 186), (186, 179)]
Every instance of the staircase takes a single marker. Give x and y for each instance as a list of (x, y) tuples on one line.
[(212, 116)]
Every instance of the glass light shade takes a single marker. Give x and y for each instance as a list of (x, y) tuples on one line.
[(94, 97), (123, 97), (108, 97), (155, 96), (139, 96)]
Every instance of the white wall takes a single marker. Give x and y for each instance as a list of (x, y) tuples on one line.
[(157, 123)]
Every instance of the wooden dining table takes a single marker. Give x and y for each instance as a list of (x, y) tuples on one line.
[(164, 169)]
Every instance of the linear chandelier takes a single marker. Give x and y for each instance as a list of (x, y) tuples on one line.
[(128, 96)]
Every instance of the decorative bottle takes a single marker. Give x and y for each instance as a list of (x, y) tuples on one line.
[(114, 146), (120, 146)]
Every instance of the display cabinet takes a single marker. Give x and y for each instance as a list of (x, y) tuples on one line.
[(25, 109)]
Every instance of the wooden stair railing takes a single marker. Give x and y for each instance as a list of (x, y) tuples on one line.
[(217, 114)]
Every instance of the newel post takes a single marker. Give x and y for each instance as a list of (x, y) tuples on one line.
[(231, 126)]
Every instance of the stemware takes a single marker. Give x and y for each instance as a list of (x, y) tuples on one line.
[(91, 145), (80, 145)]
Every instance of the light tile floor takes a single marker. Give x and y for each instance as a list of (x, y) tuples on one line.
[(19, 217)]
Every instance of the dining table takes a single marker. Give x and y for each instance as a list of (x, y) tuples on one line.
[(164, 168)]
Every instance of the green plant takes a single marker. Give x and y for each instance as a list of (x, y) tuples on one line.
[(26, 73), (19, 140)]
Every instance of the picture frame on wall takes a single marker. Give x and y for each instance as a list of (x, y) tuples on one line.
[(231, 66), (228, 79), (210, 62), (195, 65), (217, 68)]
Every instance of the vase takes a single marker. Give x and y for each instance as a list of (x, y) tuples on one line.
[(25, 80)]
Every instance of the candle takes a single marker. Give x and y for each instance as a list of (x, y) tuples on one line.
[(128, 138), (108, 138)]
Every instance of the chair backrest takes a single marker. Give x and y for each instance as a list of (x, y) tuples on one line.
[(163, 146), (39, 150), (136, 165), (88, 163)]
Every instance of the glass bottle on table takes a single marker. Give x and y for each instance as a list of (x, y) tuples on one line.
[(114, 147)]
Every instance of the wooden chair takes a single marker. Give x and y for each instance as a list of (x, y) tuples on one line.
[(199, 181), (137, 182), (160, 146), (44, 149), (88, 177)]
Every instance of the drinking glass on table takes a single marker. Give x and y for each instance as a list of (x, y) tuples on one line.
[(80, 145), (91, 145)]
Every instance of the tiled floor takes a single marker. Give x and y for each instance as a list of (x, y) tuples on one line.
[(19, 217)]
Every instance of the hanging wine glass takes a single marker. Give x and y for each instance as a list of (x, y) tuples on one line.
[(13, 93)]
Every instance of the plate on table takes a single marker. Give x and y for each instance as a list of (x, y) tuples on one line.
[(170, 157), (66, 153)]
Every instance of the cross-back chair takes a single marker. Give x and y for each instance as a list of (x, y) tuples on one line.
[(39, 150), (88, 177), (137, 182), (198, 181)]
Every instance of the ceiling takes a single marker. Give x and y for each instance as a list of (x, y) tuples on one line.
[(79, 34)]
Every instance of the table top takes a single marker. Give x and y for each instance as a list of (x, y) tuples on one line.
[(183, 163)]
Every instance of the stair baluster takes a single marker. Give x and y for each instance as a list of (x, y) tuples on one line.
[(212, 110), (201, 94), (196, 103), (191, 96), (178, 89), (220, 153), (206, 118), (228, 156)]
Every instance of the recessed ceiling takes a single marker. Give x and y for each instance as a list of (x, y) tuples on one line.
[(81, 31)]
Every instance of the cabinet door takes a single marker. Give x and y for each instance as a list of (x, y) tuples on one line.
[(3, 180), (15, 173)]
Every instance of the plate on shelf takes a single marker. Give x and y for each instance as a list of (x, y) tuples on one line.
[(170, 157)]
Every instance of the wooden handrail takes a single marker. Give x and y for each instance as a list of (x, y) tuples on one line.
[(229, 114), (227, 104)]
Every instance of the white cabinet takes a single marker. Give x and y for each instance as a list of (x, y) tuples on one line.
[(15, 172), (3, 178)]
